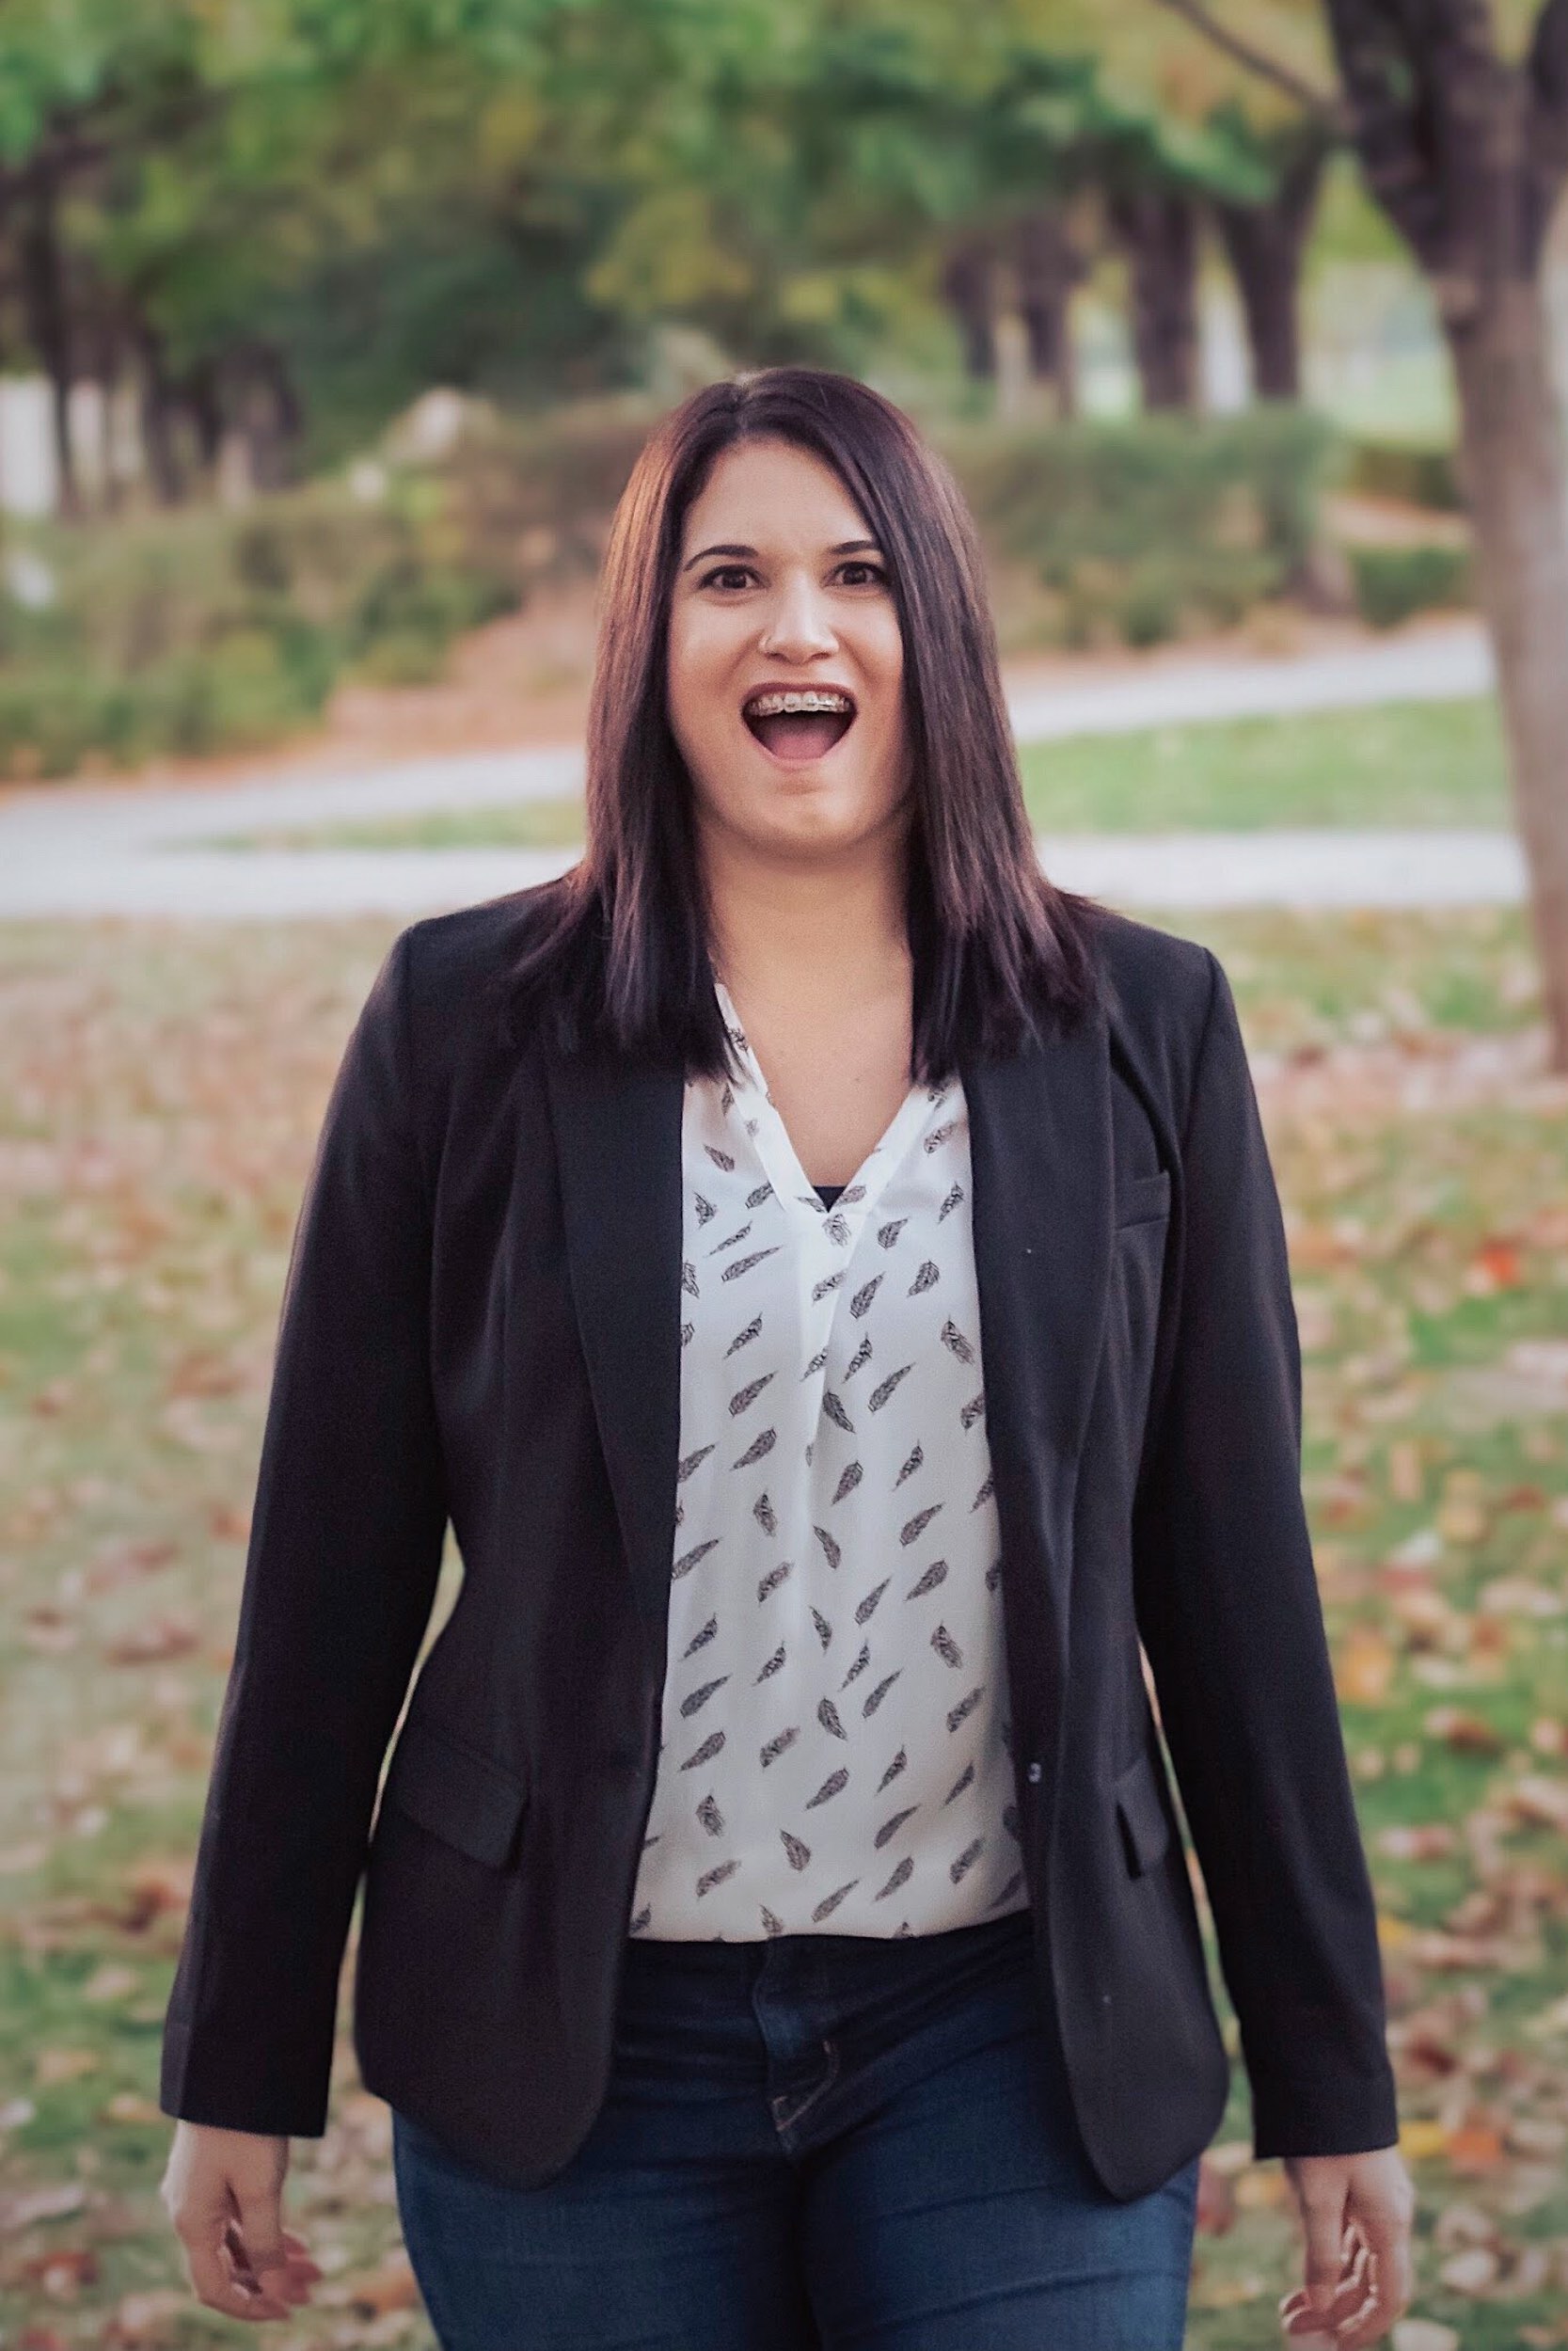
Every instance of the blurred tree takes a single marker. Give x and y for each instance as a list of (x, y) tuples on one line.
[(83, 83), (1266, 243), (1256, 184), (1460, 117)]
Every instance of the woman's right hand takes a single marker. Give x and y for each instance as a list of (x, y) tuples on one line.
[(223, 2191)]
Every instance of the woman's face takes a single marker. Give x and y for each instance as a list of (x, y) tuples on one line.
[(780, 593)]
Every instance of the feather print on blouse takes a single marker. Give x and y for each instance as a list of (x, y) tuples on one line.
[(854, 1496)]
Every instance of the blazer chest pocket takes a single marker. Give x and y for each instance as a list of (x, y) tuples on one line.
[(1143, 1200), (1142, 1819), (456, 1794)]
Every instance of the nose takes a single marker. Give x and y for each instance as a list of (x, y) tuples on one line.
[(797, 626)]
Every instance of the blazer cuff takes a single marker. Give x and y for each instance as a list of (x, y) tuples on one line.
[(240, 2091), (1331, 2110)]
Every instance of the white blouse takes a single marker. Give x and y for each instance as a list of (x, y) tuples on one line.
[(834, 1748)]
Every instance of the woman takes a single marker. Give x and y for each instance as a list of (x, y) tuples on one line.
[(833, 1283)]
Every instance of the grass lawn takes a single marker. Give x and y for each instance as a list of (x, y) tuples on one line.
[(160, 1091), (1407, 764)]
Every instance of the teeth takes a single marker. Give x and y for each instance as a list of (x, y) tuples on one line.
[(775, 706)]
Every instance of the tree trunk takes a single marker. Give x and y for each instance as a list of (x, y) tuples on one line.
[(1158, 230), (272, 417), (1264, 245), (42, 278), (202, 396), (158, 408), (969, 287), (1049, 269), (1512, 449)]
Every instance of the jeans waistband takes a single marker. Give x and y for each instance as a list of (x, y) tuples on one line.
[(853, 1955)]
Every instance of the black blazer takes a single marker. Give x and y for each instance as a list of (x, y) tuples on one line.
[(481, 1321)]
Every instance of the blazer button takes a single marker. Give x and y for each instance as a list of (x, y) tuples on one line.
[(1036, 1770)]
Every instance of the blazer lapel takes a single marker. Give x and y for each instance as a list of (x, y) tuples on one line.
[(1043, 1216), (618, 1146)]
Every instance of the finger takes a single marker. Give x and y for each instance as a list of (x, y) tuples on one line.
[(1386, 2303), (1387, 2230), (1322, 2212), (1352, 2280), (295, 2278), (260, 2221), (1299, 2322), (1368, 2324), (1297, 2317), (214, 2283)]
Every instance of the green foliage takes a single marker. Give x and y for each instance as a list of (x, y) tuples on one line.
[(1392, 582), (1418, 473), (1154, 527), (198, 630)]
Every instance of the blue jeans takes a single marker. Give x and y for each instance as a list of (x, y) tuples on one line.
[(815, 2143)]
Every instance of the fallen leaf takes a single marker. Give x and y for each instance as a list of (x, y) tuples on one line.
[(1364, 1667), (111, 1981), (1459, 2224), (1431, 1840), (53, 2203), (1513, 1595), (63, 2271), (1466, 1734), (156, 1886), (1540, 1801), (128, 2105), (49, 1631), (1550, 2021), (1537, 2135), (1423, 2334), (1495, 1266), (63, 2065), (149, 2318), (1478, 2148), (1470, 2272), (161, 1637)]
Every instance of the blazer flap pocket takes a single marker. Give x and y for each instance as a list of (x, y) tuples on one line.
[(1143, 1198), (1146, 1824), (456, 1794)]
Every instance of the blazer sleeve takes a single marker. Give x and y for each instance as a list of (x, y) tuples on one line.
[(344, 1555), (1229, 1614)]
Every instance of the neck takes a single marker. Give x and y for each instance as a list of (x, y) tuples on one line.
[(800, 933)]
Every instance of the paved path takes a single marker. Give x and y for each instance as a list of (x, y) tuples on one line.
[(1443, 664), (1328, 868), (91, 849)]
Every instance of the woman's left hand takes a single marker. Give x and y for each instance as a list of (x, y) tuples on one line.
[(1359, 2273)]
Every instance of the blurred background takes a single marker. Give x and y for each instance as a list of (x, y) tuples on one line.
[(328, 334)]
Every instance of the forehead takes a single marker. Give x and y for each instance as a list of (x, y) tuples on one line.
[(772, 489)]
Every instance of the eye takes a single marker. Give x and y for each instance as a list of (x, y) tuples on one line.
[(724, 571), (858, 563)]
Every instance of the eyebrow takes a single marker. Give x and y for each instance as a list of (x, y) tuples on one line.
[(845, 546)]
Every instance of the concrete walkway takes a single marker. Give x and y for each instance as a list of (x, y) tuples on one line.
[(1195, 869), (84, 850)]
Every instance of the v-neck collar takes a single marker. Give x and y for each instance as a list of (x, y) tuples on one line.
[(841, 1224)]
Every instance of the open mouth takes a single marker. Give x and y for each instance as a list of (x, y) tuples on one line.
[(800, 724)]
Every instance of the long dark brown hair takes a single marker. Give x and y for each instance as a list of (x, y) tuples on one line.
[(619, 955)]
